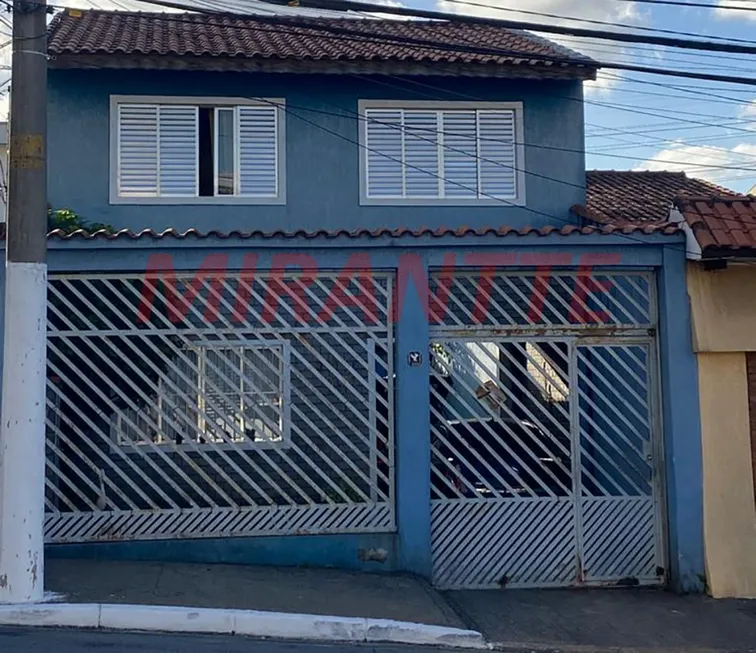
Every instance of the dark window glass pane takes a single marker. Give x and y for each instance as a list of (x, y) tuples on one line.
[(225, 132), (206, 157)]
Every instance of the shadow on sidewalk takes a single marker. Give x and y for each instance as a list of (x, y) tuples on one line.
[(527, 620), (607, 618), (299, 590)]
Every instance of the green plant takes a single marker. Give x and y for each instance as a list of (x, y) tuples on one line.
[(69, 221)]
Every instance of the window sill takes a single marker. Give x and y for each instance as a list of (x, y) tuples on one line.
[(501, 203), (205, 447), (199, 201)]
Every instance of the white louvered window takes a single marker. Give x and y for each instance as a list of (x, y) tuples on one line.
[(450, 154), (171, 150)]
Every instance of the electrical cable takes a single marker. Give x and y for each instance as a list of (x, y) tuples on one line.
[(591, 21)]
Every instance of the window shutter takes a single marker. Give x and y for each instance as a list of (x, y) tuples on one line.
[(498, 174), (258, 151), (421, 156), (137, 150), (384, 169), (460, 154), (178, 151)]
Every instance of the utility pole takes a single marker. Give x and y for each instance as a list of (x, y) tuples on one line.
[(22, 433)]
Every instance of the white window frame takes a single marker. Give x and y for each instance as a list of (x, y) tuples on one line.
[(201, 348), (516, 107), (197, 101)]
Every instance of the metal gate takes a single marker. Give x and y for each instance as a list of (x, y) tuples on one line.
[(218, 405), (544, 434)]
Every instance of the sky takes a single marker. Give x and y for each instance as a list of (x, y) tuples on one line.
[(633, 120)]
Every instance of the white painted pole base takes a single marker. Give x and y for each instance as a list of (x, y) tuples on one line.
[(22, 436)]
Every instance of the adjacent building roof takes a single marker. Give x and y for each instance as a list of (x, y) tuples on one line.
[(718, 222), (722, 226), (159, 39), (625, 196)]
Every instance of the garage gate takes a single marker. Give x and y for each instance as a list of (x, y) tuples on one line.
[(545, 466)]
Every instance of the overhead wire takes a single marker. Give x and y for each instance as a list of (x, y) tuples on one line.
[(342, 34), (361, 7), (434, 45), (440, 177), (728, 44), (686, 3), (590, 21)]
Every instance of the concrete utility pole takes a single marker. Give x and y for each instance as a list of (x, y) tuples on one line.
[(22, 433)]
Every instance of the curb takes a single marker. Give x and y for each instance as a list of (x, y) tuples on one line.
[(252, 623)]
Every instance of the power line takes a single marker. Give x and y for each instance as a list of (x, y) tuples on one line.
[(468, 96), (682, 3), (615, 106), (591, 21), (700, 167), (732, 44), (430, 45), (458, 184)]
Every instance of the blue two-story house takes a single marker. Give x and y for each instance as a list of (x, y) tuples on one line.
[(348, 309)]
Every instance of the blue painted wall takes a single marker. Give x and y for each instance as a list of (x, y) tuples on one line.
[(322, 167), (409, 549), (681, 427), (339, 551)]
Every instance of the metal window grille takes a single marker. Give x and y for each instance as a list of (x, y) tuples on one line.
[(239, 395)]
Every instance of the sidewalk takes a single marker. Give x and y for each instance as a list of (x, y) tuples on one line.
[(307, 591), (608, 619), (522, 620)]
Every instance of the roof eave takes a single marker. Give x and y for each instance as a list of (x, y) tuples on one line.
[(525, 70)]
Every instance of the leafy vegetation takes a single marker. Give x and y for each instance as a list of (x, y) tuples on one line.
[(69, 221)]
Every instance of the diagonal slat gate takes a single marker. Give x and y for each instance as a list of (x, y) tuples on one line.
[(197, 406), (543, 433)]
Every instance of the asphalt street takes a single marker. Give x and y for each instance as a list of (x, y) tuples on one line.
[(48, 640)]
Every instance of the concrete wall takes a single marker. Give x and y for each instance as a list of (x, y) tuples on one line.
[(321, 158), (729, 508), (723, 310), (409, 548), (724, 328)]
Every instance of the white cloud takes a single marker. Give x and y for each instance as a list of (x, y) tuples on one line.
[(748, 112), (609, 11), (728, 9), (713, 163)]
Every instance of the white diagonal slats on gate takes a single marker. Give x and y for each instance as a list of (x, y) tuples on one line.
[(329, 464), (504, 542), (564, 298), (597, 522), (619, 538)]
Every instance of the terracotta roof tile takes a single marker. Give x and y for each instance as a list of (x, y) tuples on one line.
[(722, 225), (301, 38), (619, 196), (442, 232), (722, 221)]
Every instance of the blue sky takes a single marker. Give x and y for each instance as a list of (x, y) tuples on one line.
[(635, 121), (647, 123)]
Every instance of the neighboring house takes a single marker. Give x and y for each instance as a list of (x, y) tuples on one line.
[(3, 170), (720, 228), (722, 288), (356, 308)]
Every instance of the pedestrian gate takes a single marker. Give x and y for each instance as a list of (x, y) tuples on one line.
[(217, 405), (544, 433)]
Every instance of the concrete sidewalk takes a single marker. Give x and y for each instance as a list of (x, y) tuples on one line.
[(607, 619), (297, 590), (582, 620)]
